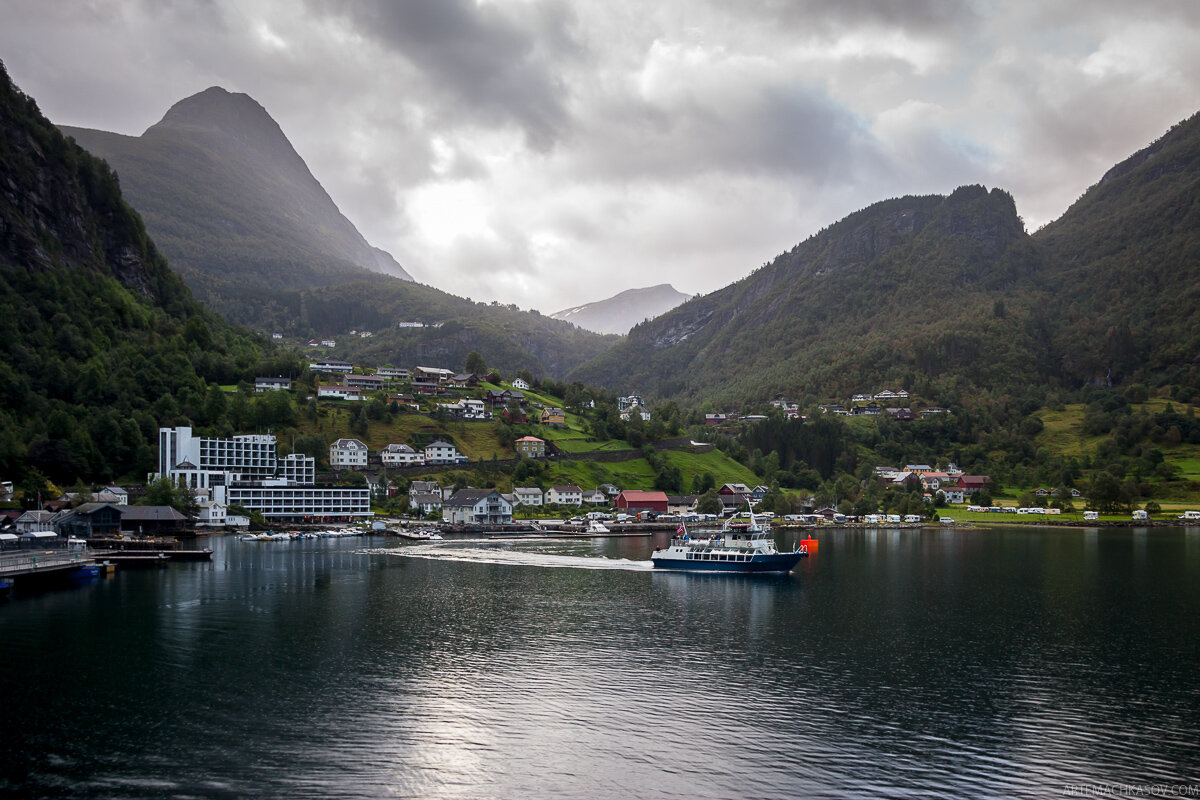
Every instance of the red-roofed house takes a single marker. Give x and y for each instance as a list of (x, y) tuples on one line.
[(971, 484), (642, 501)]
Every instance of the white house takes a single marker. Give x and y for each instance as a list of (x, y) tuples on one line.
[(348, 454), (401, 455), (424, 503), (337, 390), (272, 384), (440, 452), (595, 498), (528, 495), (520, 383), (330, 365), (212, 514), (565, 495), (953, 495), (477, 507), (628, 402), (394, 373), (328, 343)]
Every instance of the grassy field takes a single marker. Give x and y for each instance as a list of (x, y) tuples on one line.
[(1063, 435)]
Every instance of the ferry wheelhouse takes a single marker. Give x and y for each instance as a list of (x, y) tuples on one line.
[(736, 547)]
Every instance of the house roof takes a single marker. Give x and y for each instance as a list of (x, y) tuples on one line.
[(426, 498), (398, 448), (465, 498), (527, 490), (531, 439), (440, 443), (149, 514), (348, 444), (566, 489), (637, 495)]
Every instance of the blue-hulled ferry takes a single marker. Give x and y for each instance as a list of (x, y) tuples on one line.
[(737, 547)]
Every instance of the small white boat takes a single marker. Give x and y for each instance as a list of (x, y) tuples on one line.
[(596, 526)]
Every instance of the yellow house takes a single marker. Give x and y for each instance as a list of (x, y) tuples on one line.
[(530, 447), (553, 416)]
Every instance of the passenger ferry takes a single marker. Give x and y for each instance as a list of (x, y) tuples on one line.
[(737, 547)]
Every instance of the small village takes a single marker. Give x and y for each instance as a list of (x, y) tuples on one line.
[(243, 481)]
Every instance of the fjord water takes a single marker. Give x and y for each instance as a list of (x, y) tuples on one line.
[(994, 663)]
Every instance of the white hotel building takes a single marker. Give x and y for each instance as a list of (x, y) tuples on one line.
[(246, 471)]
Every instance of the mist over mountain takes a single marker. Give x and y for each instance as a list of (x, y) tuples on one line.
[(233, 206), (621, 312)]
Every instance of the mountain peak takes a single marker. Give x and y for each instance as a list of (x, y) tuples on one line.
[(621, 312), (229, 115)]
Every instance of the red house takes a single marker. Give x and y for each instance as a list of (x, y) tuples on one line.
[(634, 500), (973, 483)]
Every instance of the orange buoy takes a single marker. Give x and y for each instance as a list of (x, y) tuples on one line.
[(811, 544)]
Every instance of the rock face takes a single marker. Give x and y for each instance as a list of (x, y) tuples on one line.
[(60, 207), (233, 206), (621, 312)]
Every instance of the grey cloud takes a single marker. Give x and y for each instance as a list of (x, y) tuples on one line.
[(826, 17), (497, 69)]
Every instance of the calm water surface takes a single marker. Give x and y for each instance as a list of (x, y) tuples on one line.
[(996, 663)]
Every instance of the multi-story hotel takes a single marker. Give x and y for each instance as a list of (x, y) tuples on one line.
[(246, 471)]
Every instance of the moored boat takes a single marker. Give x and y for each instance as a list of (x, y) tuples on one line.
[(736, 547)]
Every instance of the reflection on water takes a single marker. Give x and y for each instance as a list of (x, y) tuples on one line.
[(893, 663)]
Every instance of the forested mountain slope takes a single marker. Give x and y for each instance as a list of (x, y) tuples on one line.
[(243, 220), (232, 205), (950, 297), (102, 342)]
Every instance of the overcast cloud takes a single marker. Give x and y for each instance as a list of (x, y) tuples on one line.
[(548, 153)]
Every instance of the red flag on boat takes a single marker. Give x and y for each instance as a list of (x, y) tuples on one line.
[(681, 530)]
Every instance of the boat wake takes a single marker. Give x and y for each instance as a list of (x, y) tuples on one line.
[(519, 558)]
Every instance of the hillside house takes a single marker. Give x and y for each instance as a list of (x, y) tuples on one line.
[(434, 375), (440, 452), (424, 487), (625, 403), (970, 484), (564, 496), (520, 383), (528, 495), (530, 447), (595, 497), (332, 365), (337, 391), (554, 417), (272, 384), (348, 454), (369, 383), (401, 455), (394, 373)]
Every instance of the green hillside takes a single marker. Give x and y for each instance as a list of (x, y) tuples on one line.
[(949, 298)]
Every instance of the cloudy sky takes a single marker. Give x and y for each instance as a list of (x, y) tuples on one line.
[(547, 153)]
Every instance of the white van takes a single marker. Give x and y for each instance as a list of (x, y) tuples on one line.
[(1190, 515), (1141, 514), (1092, 515), (911, 518)]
